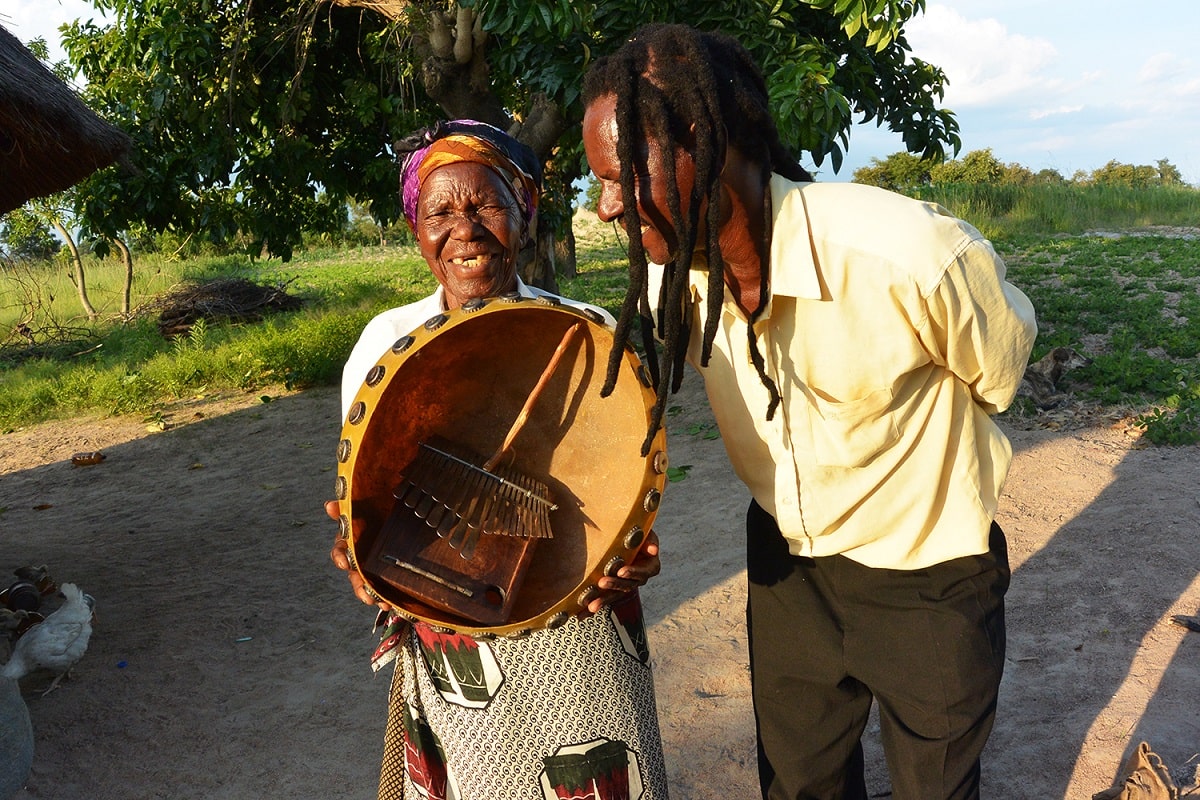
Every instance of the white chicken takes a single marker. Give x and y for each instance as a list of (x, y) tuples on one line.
[(57, 642)]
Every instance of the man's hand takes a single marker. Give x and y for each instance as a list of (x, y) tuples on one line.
[(340, 555), (629, 577)]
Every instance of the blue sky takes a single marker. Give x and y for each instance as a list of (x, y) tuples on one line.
[(1067, 85)]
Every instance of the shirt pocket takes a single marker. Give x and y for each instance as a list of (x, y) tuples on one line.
[(851, 433)]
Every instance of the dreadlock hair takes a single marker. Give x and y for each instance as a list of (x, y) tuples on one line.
[(676, 85)]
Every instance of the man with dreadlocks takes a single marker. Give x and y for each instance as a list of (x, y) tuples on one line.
[(853, 343)]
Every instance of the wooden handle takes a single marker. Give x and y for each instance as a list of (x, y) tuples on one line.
[(519, 422)]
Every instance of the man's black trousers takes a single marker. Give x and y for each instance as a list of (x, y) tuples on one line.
[(829, 635)]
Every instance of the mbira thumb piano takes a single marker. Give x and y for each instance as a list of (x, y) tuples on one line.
[(484, 484)]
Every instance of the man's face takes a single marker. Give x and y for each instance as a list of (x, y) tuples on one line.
[(470, 229), (659, 237)]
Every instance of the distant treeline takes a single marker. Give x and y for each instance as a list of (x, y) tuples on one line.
[(1004, 200), (904, 171)]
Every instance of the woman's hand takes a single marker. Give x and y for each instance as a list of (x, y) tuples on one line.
[(340, 555), (629, 577)]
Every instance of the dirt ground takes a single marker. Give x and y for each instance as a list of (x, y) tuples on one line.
[(229, 660)]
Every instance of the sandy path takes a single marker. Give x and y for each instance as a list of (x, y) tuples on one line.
[(229, 661)]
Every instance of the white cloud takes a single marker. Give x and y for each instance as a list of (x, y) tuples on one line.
[(1162, 67), (983, 62), (1054, 112), (1166, 83)]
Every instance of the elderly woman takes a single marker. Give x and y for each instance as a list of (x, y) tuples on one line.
[(470, 195)]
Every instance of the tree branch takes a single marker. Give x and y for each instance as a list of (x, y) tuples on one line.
[(542, 126)]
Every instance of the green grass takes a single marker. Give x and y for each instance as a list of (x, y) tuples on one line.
[(118, 365), (1007, 210), (1132, 303), (601, 264)]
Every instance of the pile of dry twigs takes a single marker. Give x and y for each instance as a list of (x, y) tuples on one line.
[(227, 299)]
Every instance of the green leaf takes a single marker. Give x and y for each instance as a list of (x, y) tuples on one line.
[(676, 474), (241, 121)]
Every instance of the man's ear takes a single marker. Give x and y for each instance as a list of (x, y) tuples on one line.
[(690, 144)]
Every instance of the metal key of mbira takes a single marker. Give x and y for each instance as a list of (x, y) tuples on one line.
[(460, 499)]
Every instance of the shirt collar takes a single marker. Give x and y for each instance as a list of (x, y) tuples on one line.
[(793, 268)]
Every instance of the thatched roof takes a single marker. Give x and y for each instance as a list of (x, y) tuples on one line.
[(49, 140)]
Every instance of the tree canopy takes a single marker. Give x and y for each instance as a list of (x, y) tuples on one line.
[(263, 118), (904, 171)]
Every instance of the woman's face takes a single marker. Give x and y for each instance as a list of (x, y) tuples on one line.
[(659, 238), (470, 229)]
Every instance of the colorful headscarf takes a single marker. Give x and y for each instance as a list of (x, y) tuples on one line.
[(467, 140)]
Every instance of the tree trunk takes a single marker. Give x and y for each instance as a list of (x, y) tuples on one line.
[(77, 266), (564, 255), (454, 68), (537, 267), (456, 75), (127, 260)]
